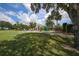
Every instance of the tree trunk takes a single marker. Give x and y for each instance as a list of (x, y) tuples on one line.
[(74, 13), (74, 16)]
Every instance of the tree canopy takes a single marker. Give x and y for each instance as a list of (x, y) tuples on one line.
[(72, 9)]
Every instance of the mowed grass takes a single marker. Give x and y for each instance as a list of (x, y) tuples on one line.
[(35, 44), (8, 34)]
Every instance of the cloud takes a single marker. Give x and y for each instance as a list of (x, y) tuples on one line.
[(65, 17), (10, 13), (63, 13), (24, 18), (41, 22), (41, 14), (28, 5), (65, 20), (39, 18), (49, 13), (6, 18), (33, 17)]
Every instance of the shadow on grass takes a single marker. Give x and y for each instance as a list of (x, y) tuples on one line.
[(63, 40), (36, 44)]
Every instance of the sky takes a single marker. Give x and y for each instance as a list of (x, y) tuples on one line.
[(22, 13)]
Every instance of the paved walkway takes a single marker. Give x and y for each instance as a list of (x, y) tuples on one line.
[(51, 33)]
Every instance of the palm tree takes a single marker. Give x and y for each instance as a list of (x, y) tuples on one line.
[(56, 16), (49, 23), (32, 25)]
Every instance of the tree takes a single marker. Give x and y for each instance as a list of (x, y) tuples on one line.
[(71, 9), (49, 23), (65, 27), (5, 25), (54, 14), (32, 25), (20, 26)]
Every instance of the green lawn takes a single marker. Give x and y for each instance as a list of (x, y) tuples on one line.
[(35, 44), (8, 34)]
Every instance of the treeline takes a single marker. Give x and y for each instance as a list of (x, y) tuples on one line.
[(18, 26), (32, 26), (5, 25)]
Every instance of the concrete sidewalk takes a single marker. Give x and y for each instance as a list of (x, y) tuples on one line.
[(51, 33)]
